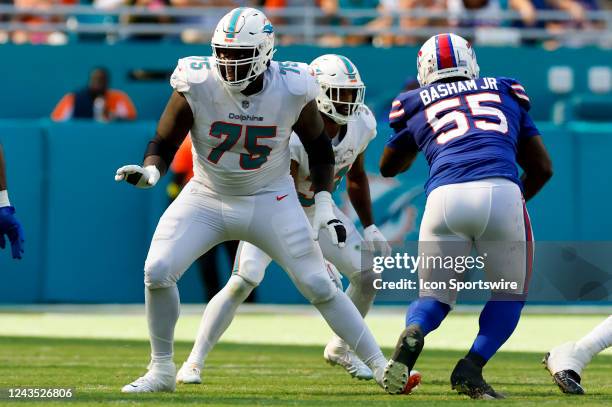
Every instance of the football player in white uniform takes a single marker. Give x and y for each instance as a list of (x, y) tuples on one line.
[(566, 362), (351, 126), (241, 108)]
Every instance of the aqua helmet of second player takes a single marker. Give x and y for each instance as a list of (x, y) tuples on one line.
[(243, 46), (446, 56), (342, 90)]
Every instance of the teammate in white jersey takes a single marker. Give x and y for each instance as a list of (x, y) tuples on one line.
[(566, 362), (241, 108), (351, 126)]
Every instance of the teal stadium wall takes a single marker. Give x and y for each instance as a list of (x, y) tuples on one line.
[(87, 236)]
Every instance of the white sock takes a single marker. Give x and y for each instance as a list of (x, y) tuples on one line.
[(162, 307), (218, 316), (344, 319), (597, 340), (361, 292)]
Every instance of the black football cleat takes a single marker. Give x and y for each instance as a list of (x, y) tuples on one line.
[(397, 373), (467, 379), (567, 380)]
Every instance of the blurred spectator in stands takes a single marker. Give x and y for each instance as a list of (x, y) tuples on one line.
[(528, 9), (4, 18), (83, 20), (577, 9), (388, 20), (487, 13), (136, 20), (330, 9), (291, 21), (32, 36), (182, 172), (385, 22), (109, 4), (96, 101), (204, 21), (484, 23)]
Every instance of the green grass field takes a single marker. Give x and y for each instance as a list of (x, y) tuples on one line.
[(271, 374)]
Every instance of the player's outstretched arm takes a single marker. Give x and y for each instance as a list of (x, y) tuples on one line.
[(358, 189), (172, 128), (9, 225), (394, 161), (311, 131), (533, 158)]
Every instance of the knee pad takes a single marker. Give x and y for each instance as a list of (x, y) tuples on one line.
[(238, 287), (158, 273), (318, 288), (251, 271)]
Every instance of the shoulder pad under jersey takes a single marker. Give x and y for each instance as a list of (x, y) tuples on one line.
[(190, 71), (516, 90), (367, 119), (297, 79)]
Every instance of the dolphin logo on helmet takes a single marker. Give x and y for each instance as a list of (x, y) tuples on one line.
[(243, 46)]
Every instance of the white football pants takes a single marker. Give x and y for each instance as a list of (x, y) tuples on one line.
[(488, 214)]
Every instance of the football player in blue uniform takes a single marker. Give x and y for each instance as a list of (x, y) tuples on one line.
[(473, 132), (9, 225)]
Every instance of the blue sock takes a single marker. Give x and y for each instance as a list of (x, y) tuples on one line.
[(498, 320), (427, 313)]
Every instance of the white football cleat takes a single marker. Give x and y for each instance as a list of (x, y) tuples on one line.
[(567, 357), (565, 363), (189, 373), (160, 377), (348, 360)]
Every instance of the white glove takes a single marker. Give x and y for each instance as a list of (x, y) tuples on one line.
[(138, 176), (376, 241), (324, 217)]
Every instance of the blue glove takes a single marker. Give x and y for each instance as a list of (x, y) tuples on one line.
[(10, 226)]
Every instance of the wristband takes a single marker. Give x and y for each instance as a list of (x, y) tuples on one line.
[(4, 199)]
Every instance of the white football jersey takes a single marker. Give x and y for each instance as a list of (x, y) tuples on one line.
[(358, 135), (241, 143)]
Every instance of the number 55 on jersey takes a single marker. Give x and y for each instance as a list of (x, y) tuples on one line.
[(460, 125)]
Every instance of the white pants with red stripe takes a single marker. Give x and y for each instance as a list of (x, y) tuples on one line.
[(489, 216)]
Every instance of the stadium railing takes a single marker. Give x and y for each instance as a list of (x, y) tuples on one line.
[(306, 24)]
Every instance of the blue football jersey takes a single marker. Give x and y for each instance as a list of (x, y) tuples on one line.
[(468, 130)]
